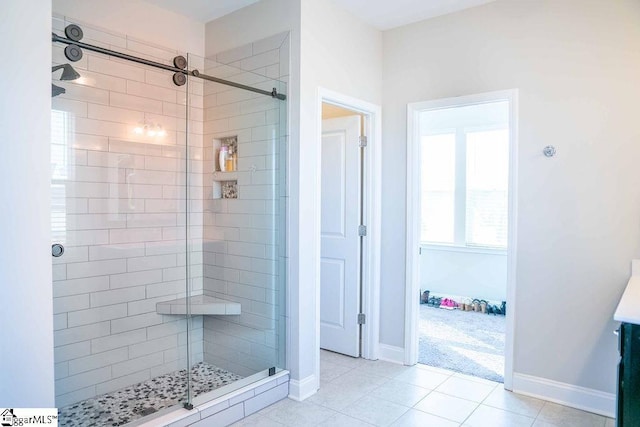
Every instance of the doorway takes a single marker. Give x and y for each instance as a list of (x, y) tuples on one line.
[(461, 234), (349, 225)]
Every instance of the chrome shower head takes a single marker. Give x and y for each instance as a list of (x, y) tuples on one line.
[(56, 90), (68, 73)]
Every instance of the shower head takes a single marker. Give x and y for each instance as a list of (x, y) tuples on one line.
[(57, 90), (68, 73)]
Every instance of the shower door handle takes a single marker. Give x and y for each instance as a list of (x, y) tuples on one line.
[(57, 250)]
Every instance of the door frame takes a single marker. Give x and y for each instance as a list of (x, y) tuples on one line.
[(372, 208), (412, 286)]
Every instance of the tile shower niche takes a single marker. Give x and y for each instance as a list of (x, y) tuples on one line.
[(225, 183)]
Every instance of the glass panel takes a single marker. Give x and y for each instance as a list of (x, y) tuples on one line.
[(118, 206), (487, 188), (242, 200), (438, 187)]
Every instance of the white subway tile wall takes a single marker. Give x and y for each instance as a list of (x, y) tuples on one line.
[(243, 236), (119, 206)]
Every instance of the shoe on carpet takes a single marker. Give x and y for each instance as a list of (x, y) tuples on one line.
[(448, 304), (424, 297), (483, 306)]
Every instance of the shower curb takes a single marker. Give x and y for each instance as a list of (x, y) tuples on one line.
[(229, 408)]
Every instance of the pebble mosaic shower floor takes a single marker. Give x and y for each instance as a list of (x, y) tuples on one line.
[(129, 404)]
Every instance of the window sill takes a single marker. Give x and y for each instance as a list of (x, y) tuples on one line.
[(466, 249)]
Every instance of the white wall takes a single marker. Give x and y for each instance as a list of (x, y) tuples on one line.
[(464, 274), (26, 318), (576, 64)]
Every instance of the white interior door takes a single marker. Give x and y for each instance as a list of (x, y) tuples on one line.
[(340, 251)]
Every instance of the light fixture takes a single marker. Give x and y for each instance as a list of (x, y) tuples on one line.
[(149, 129)]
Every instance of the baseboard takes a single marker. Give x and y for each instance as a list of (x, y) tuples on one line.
[(301, 389), (390, 353), (574, 396)]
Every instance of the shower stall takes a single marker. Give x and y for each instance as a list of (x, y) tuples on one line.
[(169, 260)]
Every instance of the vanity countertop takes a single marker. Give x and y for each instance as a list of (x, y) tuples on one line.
[(628, 310)]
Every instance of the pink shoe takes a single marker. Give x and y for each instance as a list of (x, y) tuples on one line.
[(448, 304)]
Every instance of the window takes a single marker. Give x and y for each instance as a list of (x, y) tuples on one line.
[(61, 127), (438, 187), (465, 175), (487, 189)]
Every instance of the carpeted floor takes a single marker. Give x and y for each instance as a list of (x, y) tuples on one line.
[(462, 341)]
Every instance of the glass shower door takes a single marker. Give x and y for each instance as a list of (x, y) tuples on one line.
[(242, 191), (119, 214)]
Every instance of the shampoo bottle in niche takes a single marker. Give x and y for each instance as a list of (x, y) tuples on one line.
[(229, 161), (222, 160)]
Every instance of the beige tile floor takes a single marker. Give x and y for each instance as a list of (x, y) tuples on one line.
[(358, 392)]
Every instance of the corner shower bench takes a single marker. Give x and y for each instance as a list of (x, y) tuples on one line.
[(200, 304)]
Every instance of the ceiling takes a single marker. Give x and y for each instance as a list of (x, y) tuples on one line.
[(202, 10), (382, 14), (387, 14)]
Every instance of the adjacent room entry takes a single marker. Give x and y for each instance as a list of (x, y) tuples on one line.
[(341, 201), (463, 148), (348, 225)]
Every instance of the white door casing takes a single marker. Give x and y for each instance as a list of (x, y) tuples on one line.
[(340, 241), (371, 210), (413, 221)]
